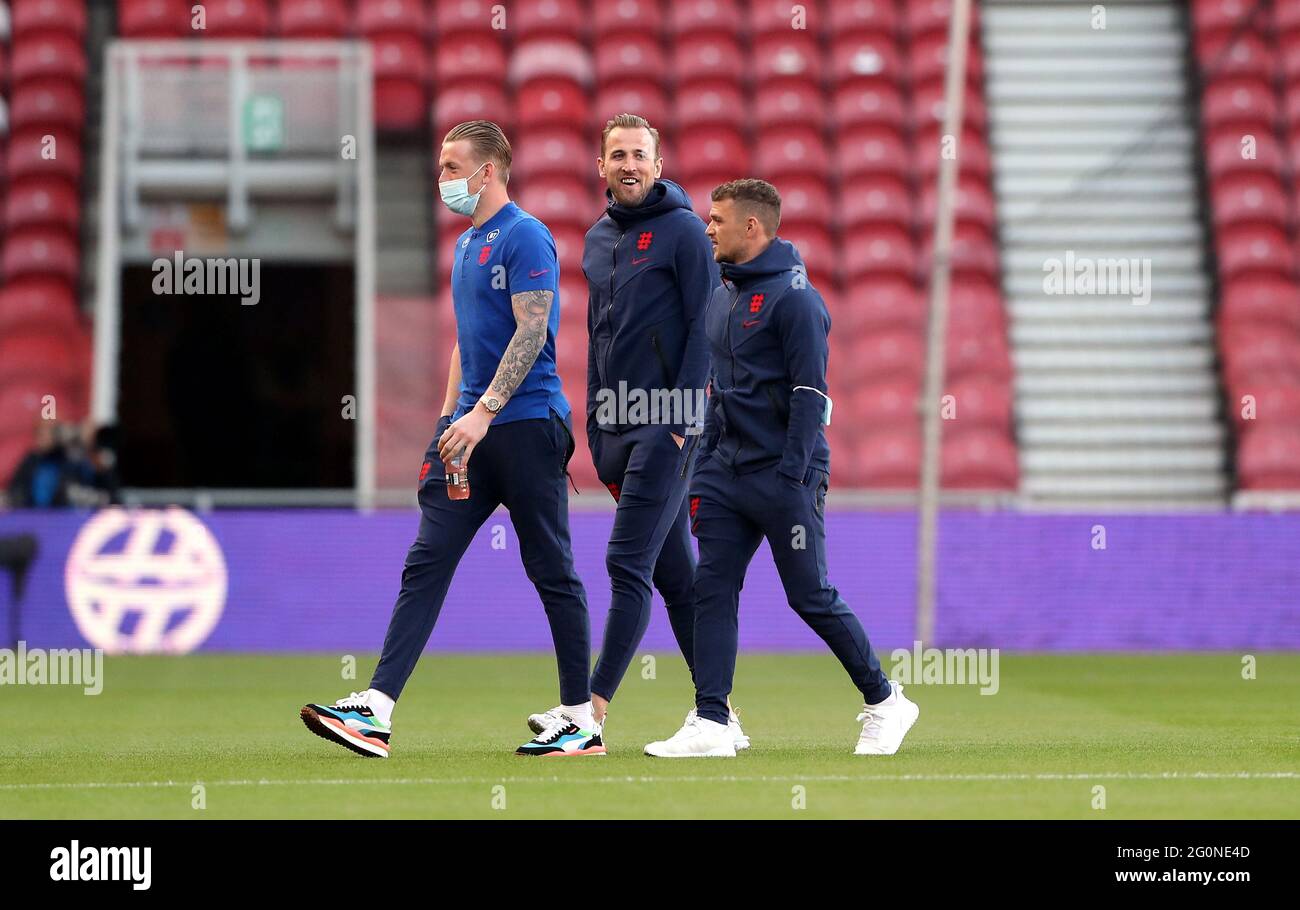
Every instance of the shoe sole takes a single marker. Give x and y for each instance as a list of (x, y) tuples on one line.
[(713, 753), (916, 713), (597, 750), (338, 733)]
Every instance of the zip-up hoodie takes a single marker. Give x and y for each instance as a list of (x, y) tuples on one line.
[(768, 329), (650, 272)]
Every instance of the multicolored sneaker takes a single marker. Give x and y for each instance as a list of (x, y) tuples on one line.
[(563, 737), (351, 723)]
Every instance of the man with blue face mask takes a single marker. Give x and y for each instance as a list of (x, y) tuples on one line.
[(505, 423)]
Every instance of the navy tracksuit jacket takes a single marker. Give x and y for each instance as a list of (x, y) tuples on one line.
[(650, 273), (764, 468)]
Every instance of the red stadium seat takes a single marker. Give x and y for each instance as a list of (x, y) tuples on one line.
[(784, 104), (787, 56), (975, 350), (456, 18), (1229, 152), (1247, 105), (536, 18), (47, 55), (805, 200), (551, 102), (1255, 248), (553, 151), (1291, 108), (847, 17), (549, 59), (1269, 459), (1286, 16), (816, 249), (484, 101), (47, 103), (313, 19), (865, 57), (615, 19), (234, 19), (40, 353), (392, 17), (697, 58), (710, 104), (1289, 56), (867, 104), (894, 355), (37, 302), (876, 199), (30, 16), (973, 202), (1209, 15), (975, 306), (39, 253), (1254, 299), (1276, 403), (712, 152), (973, 254), (1249, 199), (23, 400), (565, 200), (979, 459), (472, 58), (972, 152), (700, 191), (928, 59), (777, 17), (399, 82), (925, 16), (885, 404), (649, 101), (878, 249), (153, 18), (873, 150), (793, 151), (883, 303), (1259, 349), (928, 107), (28, 151), (1222, 54), (889, 459), (619, 57), (980, 401), (569, 240), (705, 16), (43, 202)]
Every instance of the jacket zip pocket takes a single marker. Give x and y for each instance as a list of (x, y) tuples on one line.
[(695, 439), (663, 361)]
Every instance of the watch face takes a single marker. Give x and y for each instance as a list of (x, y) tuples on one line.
[(492, 404)]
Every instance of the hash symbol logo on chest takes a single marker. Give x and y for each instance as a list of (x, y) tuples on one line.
[(755, 303), (483, 255), (644, 240)]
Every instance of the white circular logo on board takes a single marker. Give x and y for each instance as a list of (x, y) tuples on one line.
[(145, 580)]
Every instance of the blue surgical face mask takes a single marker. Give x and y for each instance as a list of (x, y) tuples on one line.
[(456, 195)]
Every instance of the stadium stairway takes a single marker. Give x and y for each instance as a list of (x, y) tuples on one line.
[(1117, 402)]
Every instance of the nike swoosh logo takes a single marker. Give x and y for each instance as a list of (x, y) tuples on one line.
[(641, 260), (750, 323), (532, 274)]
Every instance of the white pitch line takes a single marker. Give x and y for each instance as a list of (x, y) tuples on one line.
[(632, 779)]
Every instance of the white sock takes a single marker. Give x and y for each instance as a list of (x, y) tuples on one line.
[(381, 704), (581, 715)]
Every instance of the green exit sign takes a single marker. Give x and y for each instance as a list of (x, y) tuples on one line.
[(263, 123)]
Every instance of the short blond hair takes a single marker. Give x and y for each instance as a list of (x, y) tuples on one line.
[(487, 140), (628, 122)]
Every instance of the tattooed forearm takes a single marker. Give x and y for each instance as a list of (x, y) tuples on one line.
[(532, 310)]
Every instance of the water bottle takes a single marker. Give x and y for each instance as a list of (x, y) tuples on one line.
[(457, 477)]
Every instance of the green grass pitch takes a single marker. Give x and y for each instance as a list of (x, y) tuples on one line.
[(1166, 736)]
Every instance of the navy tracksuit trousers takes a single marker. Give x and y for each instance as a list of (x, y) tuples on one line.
[(732, 515), (648, 475), (520, 465)]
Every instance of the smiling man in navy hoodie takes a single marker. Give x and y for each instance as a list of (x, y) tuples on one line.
[(650, 273), (764, 470)]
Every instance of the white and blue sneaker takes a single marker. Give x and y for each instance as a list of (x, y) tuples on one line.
[(563, 738), (351, 723)]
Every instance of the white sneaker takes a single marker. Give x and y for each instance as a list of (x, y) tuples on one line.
[(887, 723), (698, 738), (539, 722), (738, 737)]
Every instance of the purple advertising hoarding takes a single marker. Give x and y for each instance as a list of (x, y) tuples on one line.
[(325, 581)]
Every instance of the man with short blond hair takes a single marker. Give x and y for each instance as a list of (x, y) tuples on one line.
[(505, 424)]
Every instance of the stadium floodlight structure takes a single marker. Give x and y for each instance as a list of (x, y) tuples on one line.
[(940, 273), (270, 133)]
